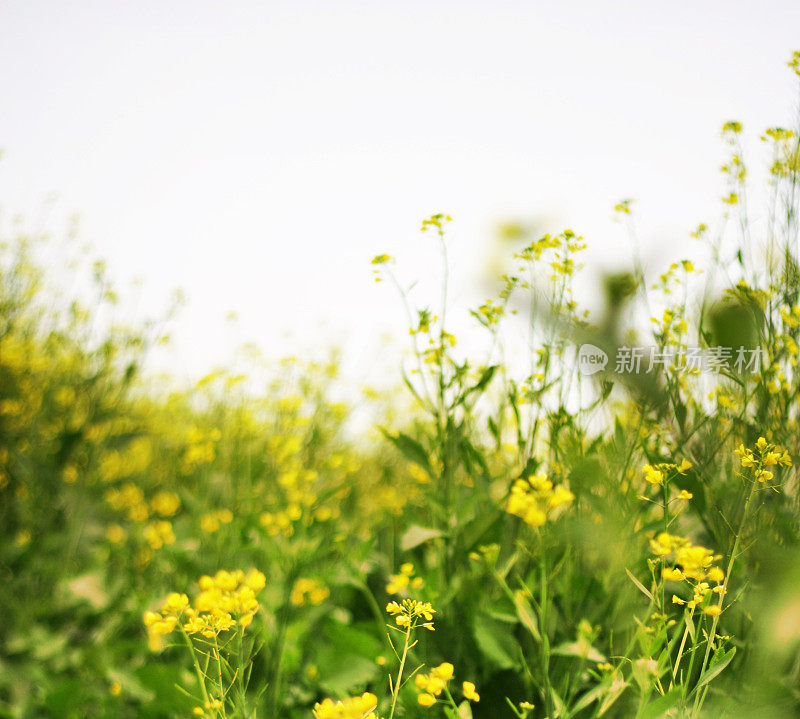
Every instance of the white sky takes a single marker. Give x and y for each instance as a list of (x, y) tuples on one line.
[(258, 154)]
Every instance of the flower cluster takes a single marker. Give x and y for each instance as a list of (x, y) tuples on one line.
[(766, 455), (431, 685), (412, 613), (211, 705), (438, 221), (159, 533), (308, 591), (691, 563), (129, 498), (362, 707), (400, 582), (655, 474), (533, 499), (225, 600), (166, 504), (211, 522), (200, 448)]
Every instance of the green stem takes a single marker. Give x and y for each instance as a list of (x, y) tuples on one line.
[(219, 676), (682, 646), (451, 700), (396, 688), (545, 643), (700, 698), (198, 671)]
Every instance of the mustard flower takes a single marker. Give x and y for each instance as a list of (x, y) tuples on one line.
[(362, 707)]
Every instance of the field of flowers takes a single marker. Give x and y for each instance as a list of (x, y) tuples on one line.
[(550, 542)]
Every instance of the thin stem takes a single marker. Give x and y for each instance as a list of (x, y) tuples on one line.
[(545, 643), (396, 688), (218, 657), (700, 698), (198, 671)]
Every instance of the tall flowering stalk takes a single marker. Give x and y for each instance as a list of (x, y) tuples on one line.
[(213, 629)]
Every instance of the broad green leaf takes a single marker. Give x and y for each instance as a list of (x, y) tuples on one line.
[(409, 448), (495, 640), (352, 640), (658, 708), (340, 672), (416, 535)]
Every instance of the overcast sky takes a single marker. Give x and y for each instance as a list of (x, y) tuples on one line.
[(258, 154)]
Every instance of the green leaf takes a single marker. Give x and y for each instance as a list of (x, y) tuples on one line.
[(495, 641), (351, 640), (716, 667), (690, 626), (659, 708), (493, 428), (409, 448), (614, 692), (416, 535), (583, 650), (526, 615), (591, 696), (483, 381), (339, 672), (639, 585)]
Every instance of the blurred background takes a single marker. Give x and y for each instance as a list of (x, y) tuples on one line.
[(257, 155)]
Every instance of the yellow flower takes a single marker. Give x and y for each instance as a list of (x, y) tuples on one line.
[(433, 684), (224, 600), (159, 533), (533, 499), (468, 689), (763, 475), (713, 610), (115, 534), (664, 544), (672, 575), (308, 590), (653, 475), (426, 700), (394, 608), (771, 459), (362, 707), (165, 503), (412, 613), (444, 671), (685, 494)]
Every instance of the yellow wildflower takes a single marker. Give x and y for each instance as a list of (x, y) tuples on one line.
[(468, 689), (652, 474), (362, 707)]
